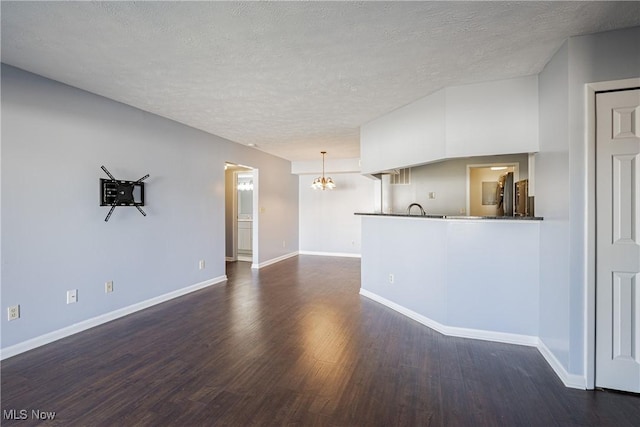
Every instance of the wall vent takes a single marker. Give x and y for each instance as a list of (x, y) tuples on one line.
[(403, 177)]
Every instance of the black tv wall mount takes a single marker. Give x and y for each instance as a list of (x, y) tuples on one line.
[(116, 192)]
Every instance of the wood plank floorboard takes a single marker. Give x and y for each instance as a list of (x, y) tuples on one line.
[(292, 344)]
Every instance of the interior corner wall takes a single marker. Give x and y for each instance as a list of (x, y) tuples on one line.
[(327, 221), (552, 203), (54, 237)]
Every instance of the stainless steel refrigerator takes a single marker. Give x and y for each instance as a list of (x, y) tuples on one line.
[(505, 195)]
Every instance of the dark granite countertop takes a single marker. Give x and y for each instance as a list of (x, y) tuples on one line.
[(435, 216)]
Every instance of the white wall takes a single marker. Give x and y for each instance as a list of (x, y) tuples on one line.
[(327, 221), (477, 275), (54, 238), (332, 166), (411, 135), (552, 202), (482, 119), (497, 117)]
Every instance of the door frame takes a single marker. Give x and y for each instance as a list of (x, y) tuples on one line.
[(590, 248), (516, 177), (234, 221), (234, 209)]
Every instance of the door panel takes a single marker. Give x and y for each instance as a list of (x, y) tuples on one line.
[(617, 243), (625, 217), (625, 304)]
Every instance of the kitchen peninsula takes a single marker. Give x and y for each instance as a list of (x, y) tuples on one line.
[(465, 276), (475, 276), (438, 216)]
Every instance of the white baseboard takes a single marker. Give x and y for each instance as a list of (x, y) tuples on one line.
[(274, 260), (339, 254), (569, 380), (454, 331), (229, 259), (103, 318)]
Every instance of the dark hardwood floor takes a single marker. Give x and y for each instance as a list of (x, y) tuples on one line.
[(292, 344)]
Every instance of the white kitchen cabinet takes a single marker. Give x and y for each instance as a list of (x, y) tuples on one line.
[(245, 229)]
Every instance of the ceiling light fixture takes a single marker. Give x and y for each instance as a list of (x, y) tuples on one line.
[(322, 183), (498, 168), (245, 186)]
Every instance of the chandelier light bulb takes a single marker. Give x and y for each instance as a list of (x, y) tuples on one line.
[(322, 183)]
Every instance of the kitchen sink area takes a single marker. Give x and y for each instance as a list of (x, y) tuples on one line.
[(441, 216)]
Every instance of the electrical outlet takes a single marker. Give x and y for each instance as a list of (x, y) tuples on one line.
[(72, 296), (201, 264), (108, 287), (284, 244), (432, 194), (391, 278), (13, 312)]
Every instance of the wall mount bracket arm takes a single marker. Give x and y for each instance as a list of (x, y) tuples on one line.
[(116, 192)]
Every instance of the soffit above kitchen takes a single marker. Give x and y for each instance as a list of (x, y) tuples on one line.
[(293, 78)]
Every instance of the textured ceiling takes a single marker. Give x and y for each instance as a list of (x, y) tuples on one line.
[(294, 78)]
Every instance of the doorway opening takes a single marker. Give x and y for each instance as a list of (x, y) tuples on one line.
[(240, 217), (490, 188)]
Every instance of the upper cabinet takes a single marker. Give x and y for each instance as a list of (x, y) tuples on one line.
[(482, 119)]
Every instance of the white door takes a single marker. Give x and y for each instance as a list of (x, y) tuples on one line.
[(618, 240)]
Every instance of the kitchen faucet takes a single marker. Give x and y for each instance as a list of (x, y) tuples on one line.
[(422, 212)]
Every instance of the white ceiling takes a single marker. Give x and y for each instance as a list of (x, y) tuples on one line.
[(294, 78)]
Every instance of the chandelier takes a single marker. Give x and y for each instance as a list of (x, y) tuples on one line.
[(322, 183)]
